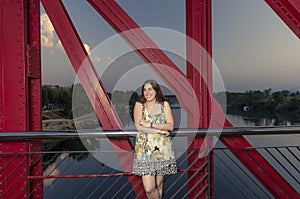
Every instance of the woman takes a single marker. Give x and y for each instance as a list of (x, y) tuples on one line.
[(154, 154)]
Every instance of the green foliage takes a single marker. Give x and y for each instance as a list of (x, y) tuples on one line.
[(123, 101), (58, 96), (265, 103)]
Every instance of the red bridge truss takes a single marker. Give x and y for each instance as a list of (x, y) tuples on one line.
[(20, 96)]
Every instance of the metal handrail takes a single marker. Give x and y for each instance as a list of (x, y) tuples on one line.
[(226, 131)]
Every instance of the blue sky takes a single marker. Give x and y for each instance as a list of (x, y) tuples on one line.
[(252, 48)]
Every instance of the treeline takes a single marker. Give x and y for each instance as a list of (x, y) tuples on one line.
[(252, 103), (57, 98), (265, 103), (60, 98)]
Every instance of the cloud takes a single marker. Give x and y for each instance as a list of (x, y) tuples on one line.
[(87, 48), (59, 46), (47, 35), (47, 32)]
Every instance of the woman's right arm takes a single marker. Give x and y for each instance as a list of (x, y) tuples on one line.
[(140, 124)]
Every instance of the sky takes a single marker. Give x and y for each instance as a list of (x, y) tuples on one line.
[(252, 48)]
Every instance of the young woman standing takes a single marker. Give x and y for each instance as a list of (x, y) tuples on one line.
[(154, 153)]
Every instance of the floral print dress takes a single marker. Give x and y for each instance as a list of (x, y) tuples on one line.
[(154, 153)]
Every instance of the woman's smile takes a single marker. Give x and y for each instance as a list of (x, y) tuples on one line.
[(149, 92)]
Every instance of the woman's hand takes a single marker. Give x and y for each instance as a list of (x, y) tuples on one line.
[(144, 123), (166, 133)]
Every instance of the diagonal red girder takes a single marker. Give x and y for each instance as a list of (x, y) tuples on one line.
[(121, 22), (90, 82), (146, 49), (289, 12), (259, 167), (82, 64)]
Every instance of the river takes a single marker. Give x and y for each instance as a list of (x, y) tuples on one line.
[(226, 185)]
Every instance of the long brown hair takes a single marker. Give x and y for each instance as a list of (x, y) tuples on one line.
[(159, 95)]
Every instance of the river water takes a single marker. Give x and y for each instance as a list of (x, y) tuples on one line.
[(227, 185)]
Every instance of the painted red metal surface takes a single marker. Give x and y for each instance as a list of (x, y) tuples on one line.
[(35, 160), (260, 168), (13, 170), (198, 17), (120, 21), (13, 68), (152, 55), (82, 64), (20, 93), (90, 82), (289, 12), (13, 98), (20, 97)]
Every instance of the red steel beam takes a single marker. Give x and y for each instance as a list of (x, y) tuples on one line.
[(82, 64), (198, 28), (146, 49), (259, 167), (289, 12), (13, 66), (120, 21), (20, 97), (13, 96), (90, 81), (35, 164)]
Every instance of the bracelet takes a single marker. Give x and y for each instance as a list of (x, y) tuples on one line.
[(151, 124)]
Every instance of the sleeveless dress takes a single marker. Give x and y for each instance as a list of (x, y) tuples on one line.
[(154, 153)]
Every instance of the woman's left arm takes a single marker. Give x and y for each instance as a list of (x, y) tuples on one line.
[(169, 125)]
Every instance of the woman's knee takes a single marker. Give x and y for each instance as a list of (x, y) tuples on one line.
[(150, 189)]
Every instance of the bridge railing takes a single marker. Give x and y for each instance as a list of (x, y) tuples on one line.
[(72, 171)]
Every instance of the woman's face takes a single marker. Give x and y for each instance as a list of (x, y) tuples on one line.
[(149, 92)]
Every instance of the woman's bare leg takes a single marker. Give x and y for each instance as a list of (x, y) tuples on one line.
[(159, 185), (149, 183)]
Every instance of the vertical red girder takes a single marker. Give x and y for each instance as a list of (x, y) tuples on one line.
[(20, 100), (34, 96), (20, 97), (146, 49), (289, 12), (121, 22), (199, 28), (199, 70)]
